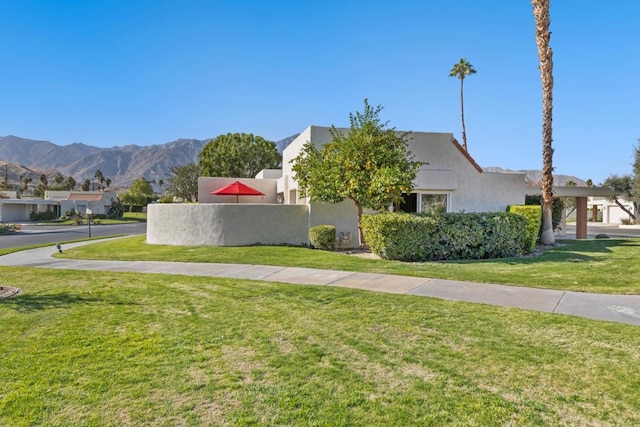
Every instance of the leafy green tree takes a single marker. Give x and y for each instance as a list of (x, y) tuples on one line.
[(636, 173), (141, 186), (132, 199), (370, 165), (238, 155), (461, 70), (622, 186), (86, 185), (108, 182), (545, 56), (183, 181)]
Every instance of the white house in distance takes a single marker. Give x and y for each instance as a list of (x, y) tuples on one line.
[(13, 209), (99, 202), (450, 180), (605, 210)]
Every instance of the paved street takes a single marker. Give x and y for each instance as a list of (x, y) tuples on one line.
[(33, 234)]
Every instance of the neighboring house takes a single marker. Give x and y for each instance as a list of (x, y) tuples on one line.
[(450, 180), (13, 209), (99, 202), (602, 209)]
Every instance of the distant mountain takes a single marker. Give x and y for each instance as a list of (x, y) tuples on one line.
[(284, 143), (534, 177), (41, 154), (123, 165)]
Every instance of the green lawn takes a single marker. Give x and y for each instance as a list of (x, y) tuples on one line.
[(97, 348), (126, 218), (601, 265), (22, 248)]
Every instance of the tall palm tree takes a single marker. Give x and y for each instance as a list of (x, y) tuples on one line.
[(26, 180), (71, 183), (99, 176), (461, 70), (44, 181), (545, 55), (58, 178)]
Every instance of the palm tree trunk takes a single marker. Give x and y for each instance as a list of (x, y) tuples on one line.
[(464, 131), (545, 55)]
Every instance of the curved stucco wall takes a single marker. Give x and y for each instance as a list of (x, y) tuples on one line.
[(215, 224)]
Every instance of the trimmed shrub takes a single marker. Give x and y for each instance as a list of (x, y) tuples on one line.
[(556, 210), (323, 237), (43, 216), (449, 236), (533, 214)]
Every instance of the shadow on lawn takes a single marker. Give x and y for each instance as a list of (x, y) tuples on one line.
[(596, 245), (570, 251), (29, 302)]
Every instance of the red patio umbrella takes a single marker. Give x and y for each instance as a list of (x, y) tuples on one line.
[(237, 189)]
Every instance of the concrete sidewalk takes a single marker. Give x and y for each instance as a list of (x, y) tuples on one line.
[(616, 308)]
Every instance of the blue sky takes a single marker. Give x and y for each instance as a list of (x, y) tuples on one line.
[(118, 72)]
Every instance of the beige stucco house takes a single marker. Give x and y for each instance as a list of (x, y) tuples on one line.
[(99, 202), (450, 181), (13, 209)]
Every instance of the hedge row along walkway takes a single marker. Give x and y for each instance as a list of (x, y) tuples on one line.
[(616, 308)]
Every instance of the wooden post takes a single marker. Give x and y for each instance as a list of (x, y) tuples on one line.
[(594, 216), (581, 217)]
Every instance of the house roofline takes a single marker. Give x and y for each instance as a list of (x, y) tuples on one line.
[(466, 154)]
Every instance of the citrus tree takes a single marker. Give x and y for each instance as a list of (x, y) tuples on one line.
[(369, 164)]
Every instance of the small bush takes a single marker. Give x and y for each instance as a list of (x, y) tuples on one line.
[(9, 228), (449, 236), (533, 214), (166, 199), (323, 237), (116, 210), (43, 216)]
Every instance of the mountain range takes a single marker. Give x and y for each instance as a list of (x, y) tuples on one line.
[(123, 165)]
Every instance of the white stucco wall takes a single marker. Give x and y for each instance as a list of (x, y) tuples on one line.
[(6, 194), (14, 212), (213, 224), (208, 184), (343, 216), (446, 170), (269, 174)]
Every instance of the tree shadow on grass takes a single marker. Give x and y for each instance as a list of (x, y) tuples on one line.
[(33, 302), (569, 251)]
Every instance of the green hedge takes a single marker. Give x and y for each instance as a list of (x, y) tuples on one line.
[(556, 210), (323, 237), (43, 216), (533, 214), (449, 236)]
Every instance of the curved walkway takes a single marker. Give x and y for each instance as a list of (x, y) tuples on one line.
[(616, 308)]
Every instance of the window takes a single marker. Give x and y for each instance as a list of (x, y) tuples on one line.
[(433, 204), (427, 203)]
